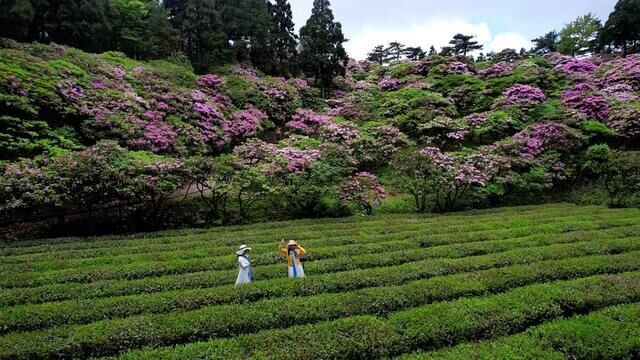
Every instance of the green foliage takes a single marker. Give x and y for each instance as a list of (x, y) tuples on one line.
[(579, 36)]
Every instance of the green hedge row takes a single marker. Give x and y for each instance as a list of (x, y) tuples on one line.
[(154, 269), (429, 327), (57, 292), (112, 336), (158, 252), (35, 316), (612, 333), (270, 234)]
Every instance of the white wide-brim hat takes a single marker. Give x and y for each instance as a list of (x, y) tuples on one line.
[(243, 249), (292, 242)]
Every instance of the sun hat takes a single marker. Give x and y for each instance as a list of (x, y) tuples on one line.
[(292, 242), (243, 249)]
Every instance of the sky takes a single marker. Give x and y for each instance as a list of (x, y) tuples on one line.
[(497, 24)]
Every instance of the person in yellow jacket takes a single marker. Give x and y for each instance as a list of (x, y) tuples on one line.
[(293, 252)]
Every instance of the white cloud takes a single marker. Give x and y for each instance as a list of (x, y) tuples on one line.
[(436, 32), (508, 40)]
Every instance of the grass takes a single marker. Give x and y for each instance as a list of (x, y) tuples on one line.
[(500, 283)]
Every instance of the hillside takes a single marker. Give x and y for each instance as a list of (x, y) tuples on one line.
[(559, 280), (113, 139)]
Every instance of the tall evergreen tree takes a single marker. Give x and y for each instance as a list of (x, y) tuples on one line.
[(247, 24), (129, 21), (79, 23), (395, 50), (546, 43), (283, 39), (201, 32), (622, 28), (163, 39), (16, 17), (463, 44), (378, 55), (322, 55), (414, 53), (432, 51)]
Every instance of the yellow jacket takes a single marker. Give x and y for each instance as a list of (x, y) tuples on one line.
[(299, 252)]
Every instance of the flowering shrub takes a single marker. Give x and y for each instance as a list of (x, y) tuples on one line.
[(624, 70), (388, 84), (457, 67), (443, 130), (577, 66), (307, 122), (625, 120), (364, 190), (524, 95), (245, 123), (497, 70), (363, 85), (211, 81), (435, 179), (585, 98), (620, 92), (537, 138)]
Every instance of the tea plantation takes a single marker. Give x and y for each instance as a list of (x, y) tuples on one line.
[(552, 281)]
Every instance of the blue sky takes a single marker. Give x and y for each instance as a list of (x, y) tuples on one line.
[(496, 23)]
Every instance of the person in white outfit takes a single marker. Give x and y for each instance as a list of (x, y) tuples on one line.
[(245, 273), (293, 251)]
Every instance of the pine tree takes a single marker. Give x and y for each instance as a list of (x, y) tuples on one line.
[(16, 17), (248, 25), (79, 23), (414, 53), (622, 28), (283, 39), (463, 44), (432, 51), (200, 27), (163, 39), (322, 55), (395, 51), (378, 55), (546, 43)]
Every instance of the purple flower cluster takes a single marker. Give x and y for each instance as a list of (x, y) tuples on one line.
[(577, 66), (345, 134), (457, 68), (585, 98), (475, 120), (211, 81), (245, 123), (625, 70), (388, 84), (626, 122), (298, 160), (620, 92), (70, 89), (307, 122), (522, 94), (452, 171), (537, 138), (158, 136), (497, 70)]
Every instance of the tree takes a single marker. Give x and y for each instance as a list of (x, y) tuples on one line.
[(622, 28), (481, 57), (432, 51), (129, 21), (463, 44), (446, 51), (283, 39), (162, 38), (378, 55), (248, 25), (395, 50), (414, 53), (322, 55), (546, 43), (79, 23), (16, 17), (200, 26), (579, 36)]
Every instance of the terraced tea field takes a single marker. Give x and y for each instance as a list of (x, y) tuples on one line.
[(554, 281)]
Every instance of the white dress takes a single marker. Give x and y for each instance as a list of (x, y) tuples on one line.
[(244, 275), (296, 270)]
